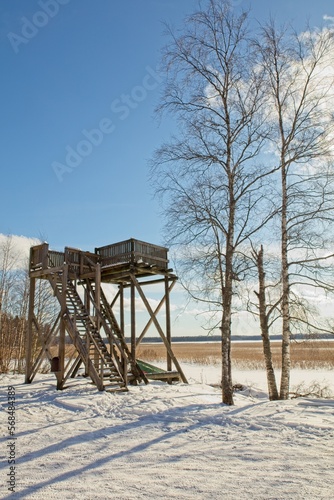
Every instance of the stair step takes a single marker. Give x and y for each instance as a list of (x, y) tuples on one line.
[(114, 383), (88, 340), (112, 374), (119, 389)]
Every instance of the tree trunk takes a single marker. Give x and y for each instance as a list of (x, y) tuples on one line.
[(227, 386), (271, 380), (286, 360)]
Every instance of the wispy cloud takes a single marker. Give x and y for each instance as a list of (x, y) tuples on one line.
[(328, 18)]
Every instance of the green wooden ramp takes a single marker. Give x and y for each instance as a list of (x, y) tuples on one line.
[(154, 373)]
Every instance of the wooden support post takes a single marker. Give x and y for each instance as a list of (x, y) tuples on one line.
[(121, 308), (29, 338), (81, 264), (98, 293), (97, 360), (168, 326), (62, 331), (158, 327), (87, 305), (122, 328), (45, 256), (133, 320)]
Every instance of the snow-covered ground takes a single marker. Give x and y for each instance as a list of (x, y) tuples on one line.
[(164, 442)]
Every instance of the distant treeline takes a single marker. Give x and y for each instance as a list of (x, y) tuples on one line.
[(237, 338)]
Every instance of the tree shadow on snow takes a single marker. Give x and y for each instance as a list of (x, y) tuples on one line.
[(189, 417)]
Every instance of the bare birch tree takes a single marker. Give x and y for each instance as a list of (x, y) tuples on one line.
[(8, 260), (300, 82), (267, 312), (211, 174), (304, 317), (14, 295)]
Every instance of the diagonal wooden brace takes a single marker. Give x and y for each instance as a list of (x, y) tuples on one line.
[(158, 327)]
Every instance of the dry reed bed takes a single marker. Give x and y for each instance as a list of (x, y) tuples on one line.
[(307, 354)]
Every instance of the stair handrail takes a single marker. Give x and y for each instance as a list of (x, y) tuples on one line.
[(119, 341), (120, 364), (126, 354), (71, 328), (110, 333), (105, 325), (84, 353)]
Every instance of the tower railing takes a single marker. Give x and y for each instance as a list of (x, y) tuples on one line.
[(134, 252), (125, 252)]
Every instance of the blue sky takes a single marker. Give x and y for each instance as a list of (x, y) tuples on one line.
[(79, 85), (74, 67)]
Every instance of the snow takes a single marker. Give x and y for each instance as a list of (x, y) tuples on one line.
[(165, 441)]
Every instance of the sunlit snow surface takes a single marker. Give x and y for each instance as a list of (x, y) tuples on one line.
[(165, 442)]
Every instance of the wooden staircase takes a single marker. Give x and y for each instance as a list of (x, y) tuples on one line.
[(103, 366)]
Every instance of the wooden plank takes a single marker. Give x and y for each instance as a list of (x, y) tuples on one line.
[(44, 273), (169, 376), (155, 281)]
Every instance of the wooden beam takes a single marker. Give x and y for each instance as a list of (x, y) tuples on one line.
[(97, 295), (28, 377), (158, 327), (71, 371), (150, 321), (114, 300), (168, 325), (88, 308), (98, 359), (121, 309), (44, 273), (133, 321), (45, 343), (153, 282), (62, 331)]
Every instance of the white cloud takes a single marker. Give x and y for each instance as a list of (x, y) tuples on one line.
[(328, 18), (19, 247)]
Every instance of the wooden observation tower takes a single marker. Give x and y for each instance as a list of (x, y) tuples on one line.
[(93, 325)]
